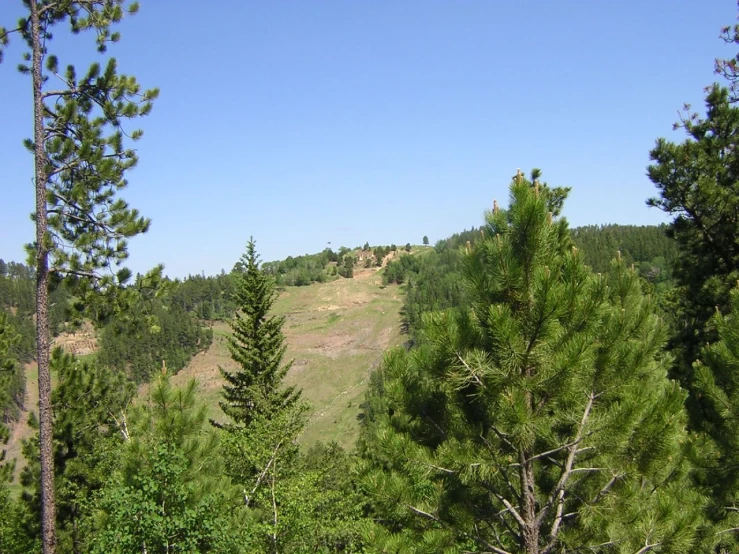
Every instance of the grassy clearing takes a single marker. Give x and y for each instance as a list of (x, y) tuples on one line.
[(336, 334)]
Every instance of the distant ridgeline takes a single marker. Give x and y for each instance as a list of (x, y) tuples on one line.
[(326, 265), (434, 281)]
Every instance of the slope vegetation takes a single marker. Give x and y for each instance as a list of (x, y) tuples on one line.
[(336, 334)]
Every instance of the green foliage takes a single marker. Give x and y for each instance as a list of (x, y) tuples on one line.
[(12, 388), (88, 225), (729, 68), (433, 281), (168, 493), (321, 508), (257, 346), (88, 403), (301, 270), (149, 332), (648, 247), (209, 298), (717, 383), (18, 301), (698, 185), (537, 419), (425, 240), (347, 269), (13, 538)]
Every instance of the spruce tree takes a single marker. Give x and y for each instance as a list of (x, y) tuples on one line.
[(80, 159), (264, 415), (257, 345), (538, 420)]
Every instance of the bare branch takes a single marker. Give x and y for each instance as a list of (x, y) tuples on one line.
[(558, 494), (274, 511), (647, 548), (605, 489), (511, 509), (475, 378), (122, 425), (264, 472)]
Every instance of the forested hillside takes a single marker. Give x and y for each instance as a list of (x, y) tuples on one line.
[(434, 281)]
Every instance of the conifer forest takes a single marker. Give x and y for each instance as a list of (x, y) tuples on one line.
[(522, 386)]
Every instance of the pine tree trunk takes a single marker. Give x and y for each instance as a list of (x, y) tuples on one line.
[(48, 504), (530, 529)]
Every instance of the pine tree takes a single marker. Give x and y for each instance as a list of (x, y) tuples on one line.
[(717, 382), (88, 401), (257, 345), (729, 68), (80, 160), (168, 492), (265, 415), (698, 182), (539, 420)]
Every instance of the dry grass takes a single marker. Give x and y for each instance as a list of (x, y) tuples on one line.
[(336, 334)]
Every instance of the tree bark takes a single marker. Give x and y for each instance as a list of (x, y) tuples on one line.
[(530, 529), (48, 503)]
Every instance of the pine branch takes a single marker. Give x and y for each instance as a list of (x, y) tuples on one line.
[(558, 494), (647, 548), (435, 519), (501, 470), (605, 489), (475, 378), (510, 508)]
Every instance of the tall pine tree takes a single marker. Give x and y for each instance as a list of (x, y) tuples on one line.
[(88, 402), (80, 159), (698, 183), (541, 419)]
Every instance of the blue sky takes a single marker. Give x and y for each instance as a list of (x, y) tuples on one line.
[(304, 122)]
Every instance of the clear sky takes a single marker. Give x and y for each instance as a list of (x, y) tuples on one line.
[(302, 122)]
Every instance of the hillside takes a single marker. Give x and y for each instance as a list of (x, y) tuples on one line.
[(336, 333)]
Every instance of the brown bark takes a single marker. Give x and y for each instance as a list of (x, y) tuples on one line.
[(43, 339)]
